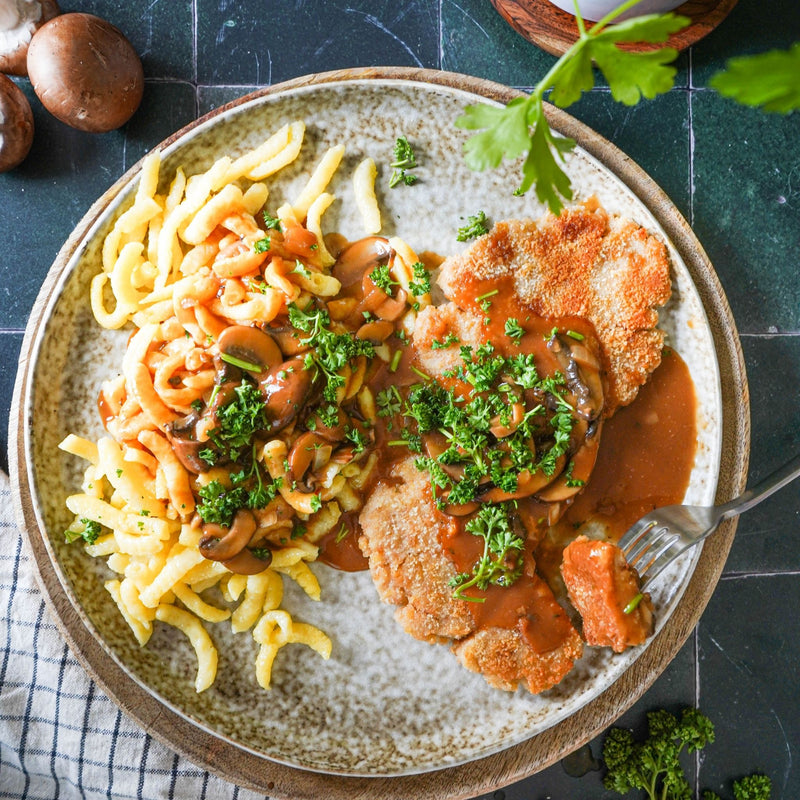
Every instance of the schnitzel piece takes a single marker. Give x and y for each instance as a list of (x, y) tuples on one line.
[(583, 263), (606, 591), (403, 536), (549, 329)]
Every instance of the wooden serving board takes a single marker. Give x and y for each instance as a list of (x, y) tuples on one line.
[(249, 769), (554, 30)]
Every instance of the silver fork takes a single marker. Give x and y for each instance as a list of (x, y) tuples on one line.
[(659, 537)]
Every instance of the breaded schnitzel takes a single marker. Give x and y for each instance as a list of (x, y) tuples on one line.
[(581, 265), (403, 535)]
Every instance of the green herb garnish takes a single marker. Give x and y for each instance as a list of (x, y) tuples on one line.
[(514, 330), (476, 226), (404, 159), (89, 532), (501, 561), (653, 765), (521, 126)]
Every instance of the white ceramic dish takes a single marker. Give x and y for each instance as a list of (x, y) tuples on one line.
[(594, 10), (384, 705)]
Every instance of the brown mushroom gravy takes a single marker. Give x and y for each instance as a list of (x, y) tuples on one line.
[(581, 467)]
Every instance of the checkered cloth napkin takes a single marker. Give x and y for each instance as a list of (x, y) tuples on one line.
[(60, 736)]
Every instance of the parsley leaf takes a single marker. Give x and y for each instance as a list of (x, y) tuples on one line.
[(500, 563), (383, 279), (404, 158), (768, 80), (476, 226), (330, 351), (522, 126), (421, 284), (514, 330), (89, 533)]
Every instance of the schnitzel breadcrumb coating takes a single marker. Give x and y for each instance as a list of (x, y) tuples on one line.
[(402, 539), (583, 263)]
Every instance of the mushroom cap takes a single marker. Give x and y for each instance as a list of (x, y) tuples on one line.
[(19, 20), (16, 124), (85, 72)]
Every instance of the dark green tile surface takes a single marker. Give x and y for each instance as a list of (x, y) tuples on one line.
[(747, 208), (749, 681), (255, 43), (653, 133), (753, 26), (768, 537), (734, 173), (10, 344), (162, 32)]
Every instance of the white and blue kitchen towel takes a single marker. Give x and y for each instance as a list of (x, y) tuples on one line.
[(60, 736)]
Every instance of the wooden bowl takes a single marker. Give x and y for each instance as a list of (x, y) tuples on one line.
[(554, 30)]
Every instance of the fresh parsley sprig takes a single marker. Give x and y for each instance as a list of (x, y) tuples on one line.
[(521, 126), (653, 766), (404, 159), (500, 563), (770, 81)]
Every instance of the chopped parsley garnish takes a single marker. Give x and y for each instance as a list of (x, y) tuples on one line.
[(330, 351), (238, 421), (421, 284), (501, 561), (89, 533), (476, 226), (448, 340), (219, 504), (514, 330), (404, 159), (262, 245), (383, 279), (272, 223), (248, 490), (482, 447), (389, 402)]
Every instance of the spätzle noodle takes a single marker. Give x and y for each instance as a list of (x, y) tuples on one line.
[(199, 516)]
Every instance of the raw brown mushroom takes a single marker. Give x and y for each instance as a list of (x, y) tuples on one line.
[(85, 72), (16, 124), (19, 20)]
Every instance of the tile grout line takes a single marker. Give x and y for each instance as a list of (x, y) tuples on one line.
[(195, 82), (691, 136), (441, 34)]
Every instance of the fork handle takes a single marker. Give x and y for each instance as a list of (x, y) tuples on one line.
[(777, 480)]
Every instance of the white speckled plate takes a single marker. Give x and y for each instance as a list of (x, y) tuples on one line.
[(385, 707)]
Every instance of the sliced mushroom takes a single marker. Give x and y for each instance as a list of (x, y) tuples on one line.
[(285, 388), (289, 340), (246, 562), (582, 373), (528, 483), (583, 461), (246, 346), (377, 331), (311, 452), (360, 258), (16, 125), (501, 430), (183, 438), (219, 543), (19, 20), (85, 72)]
